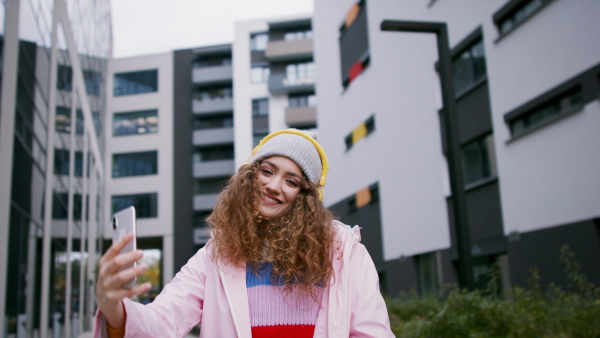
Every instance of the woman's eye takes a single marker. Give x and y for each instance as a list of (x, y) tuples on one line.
[(266, 171), (293, 183)]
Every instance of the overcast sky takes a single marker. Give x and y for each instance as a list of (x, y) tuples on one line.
[(142, 27)]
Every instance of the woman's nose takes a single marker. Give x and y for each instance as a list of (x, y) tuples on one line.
[(273, 185)]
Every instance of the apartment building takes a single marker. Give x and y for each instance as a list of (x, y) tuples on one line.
[(139, 153), (274, 79), (51, 140), (203, 153), (526, 79)]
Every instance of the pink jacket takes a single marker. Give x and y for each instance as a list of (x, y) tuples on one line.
[(215, 294)]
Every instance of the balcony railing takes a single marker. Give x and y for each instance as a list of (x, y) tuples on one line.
[(212, 75), (284, 50), (209, 137), (214, 168), (216, 105)]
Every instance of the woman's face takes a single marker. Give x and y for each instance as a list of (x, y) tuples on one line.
[(278, 183)]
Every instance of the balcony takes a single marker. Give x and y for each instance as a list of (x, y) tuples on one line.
[(283, 50), (301, 116), (209, 106), (279, 84), (212, 75), (210, 137), (213, 168), (205, 202)]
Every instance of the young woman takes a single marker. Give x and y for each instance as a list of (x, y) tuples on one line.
[(277, 265)]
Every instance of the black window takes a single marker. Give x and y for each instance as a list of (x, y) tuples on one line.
[(211, 93), (469, 67), (92, 79), (64, 79), (61, 162), (354, 43), (548, 111), (212, 61), (146, 205), (145, 81), (302, 100), (199, 219), (479, 159), (259, 41), (135, 123), (257, 137), (260, 107), (206, 186), (515, 12), (212, 122), (212, 154), (135, 164), (427, 266), (60, 202)]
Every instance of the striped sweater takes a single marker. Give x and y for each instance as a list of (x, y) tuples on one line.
[(273, 311)]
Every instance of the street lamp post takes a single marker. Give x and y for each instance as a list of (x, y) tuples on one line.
[(459, 205)]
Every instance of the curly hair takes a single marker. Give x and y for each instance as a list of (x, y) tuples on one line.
[(298, 243)]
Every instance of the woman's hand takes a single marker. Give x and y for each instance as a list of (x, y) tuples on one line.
[(109, 290)]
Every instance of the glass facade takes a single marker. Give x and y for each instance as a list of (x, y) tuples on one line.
[(136, 82), (135, 164), (135, 123), (50, 228), (469, 67), (146, 205)]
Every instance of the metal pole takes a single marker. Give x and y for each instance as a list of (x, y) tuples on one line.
[(455, 167)]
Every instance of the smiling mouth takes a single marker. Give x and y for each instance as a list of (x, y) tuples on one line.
[(269, 200)]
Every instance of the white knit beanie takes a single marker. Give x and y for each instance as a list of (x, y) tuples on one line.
[(297, 149)]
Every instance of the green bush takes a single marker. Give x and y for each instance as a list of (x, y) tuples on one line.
[(523, 312)]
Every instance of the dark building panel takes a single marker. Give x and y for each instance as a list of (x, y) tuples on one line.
[(541, 249), (258, 57), (368, 217), (401, 275), (474, 114), (484, 212), (183, 247)]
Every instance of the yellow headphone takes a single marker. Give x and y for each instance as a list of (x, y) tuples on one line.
[(320, 150)]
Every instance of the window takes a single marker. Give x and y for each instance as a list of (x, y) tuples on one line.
[(304, 70), (302, 100), (213, 122), (260, 107), (207, 186), (135, 164), (549, 111), (469, 67), (135, 123), (60, 203), (360, 132), (211, 93), (199, 219), (429, 279), (258, 42), (212, 154), (354, 43), (91, 78), (298, 35), (146, 205), (479, 159), (63, 120), (515, 12), (136, 82), (260, 74), (212, 61), (61, 162)]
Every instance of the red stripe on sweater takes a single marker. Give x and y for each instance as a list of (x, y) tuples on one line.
[(288, 331)]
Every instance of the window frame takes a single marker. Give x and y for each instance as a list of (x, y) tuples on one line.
[(114, 160), (151, 132), (123, 92), (509, 10)]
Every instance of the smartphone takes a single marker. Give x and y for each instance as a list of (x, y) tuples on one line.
[(124, 222)]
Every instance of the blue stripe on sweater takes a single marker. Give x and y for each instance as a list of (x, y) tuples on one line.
[(262, 276)]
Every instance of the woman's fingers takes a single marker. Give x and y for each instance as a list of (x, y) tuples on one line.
[(119, 294), (116, 281), (116, 248), (111, 267)]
